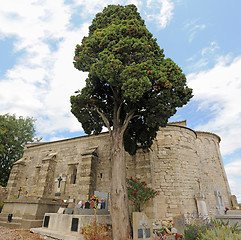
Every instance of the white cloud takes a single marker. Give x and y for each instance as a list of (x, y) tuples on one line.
[(193, 27), (43, 79), (161, 10), (213, 46), (233, 171), (91, 7), (218, 91), (41, 82), (162, 16), (234, 168)]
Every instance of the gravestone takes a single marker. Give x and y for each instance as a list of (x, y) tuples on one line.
[(69, 210), (234, 202), (201, 204), (142, 226), (87, 205), (92, 204), (71, 204), (219, 203), (179, 223), (79, 205), (61, 210), (102, 195)]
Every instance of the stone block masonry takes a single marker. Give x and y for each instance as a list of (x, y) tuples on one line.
[(181, 164)]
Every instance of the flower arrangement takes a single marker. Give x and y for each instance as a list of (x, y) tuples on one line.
[(94, 198), (139, 193), (226, 209)]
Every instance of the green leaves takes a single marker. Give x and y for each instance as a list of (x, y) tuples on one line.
[(127, 73), (14, 134), (139, 192)]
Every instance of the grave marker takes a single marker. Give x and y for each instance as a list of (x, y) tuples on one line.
[(234, 202), (219, 203), (179, 223), (142, 227)]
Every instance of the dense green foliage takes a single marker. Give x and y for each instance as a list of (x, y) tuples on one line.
[(139, 193), (14, 134), (130, 83), (220, 233), (198, 228)]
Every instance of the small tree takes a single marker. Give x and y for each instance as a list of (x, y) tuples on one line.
[(139, 193), (131, 90), (14, 134)]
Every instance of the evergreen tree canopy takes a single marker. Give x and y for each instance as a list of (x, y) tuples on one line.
[(130, 83), (14, 134)]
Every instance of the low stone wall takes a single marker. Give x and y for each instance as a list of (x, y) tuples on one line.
[(72, 223), (232, 216)]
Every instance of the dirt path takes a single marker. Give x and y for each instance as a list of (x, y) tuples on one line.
[(17, 234)]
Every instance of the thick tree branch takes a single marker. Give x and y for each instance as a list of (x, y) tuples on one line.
[(119, 111), (106, 121), (129, 116)]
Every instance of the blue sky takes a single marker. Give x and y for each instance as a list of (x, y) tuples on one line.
[(37, 77)]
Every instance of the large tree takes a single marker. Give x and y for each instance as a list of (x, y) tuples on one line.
[(131, 90), (14, 134)]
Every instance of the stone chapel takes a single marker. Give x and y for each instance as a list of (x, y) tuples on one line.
[(184, 165)]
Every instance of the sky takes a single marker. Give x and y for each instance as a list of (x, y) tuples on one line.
[(37, 76)]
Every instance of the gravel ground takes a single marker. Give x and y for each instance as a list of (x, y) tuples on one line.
[(17, 234)]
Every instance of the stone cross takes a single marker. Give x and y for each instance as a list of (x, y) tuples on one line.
[(60, 184), (143, 223), (59, 180)]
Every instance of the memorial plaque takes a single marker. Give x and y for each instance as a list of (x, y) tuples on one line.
[(140, 233), (74, 225), (57, 194), (148, 232), (46, 221)]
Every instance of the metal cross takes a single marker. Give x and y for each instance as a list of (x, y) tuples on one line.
[(19, 190), (59, 180)]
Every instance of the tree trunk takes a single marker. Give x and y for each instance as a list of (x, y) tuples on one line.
[(119, 197)]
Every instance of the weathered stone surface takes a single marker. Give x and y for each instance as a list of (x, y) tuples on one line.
[(3, 193), (180, 164)]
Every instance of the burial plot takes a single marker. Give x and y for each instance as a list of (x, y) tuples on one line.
[(142, 226), (102, 195), (179, 223)]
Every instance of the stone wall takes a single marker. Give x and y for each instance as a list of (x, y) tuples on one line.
[(3, 193), (181, 164)]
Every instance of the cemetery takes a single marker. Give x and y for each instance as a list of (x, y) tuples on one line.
[(59, 188)]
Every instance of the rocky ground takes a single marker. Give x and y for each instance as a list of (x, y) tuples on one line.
[(17, 234)]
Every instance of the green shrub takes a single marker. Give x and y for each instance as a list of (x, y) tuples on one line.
[(220, 223), (220, 233), (139, 193), (195, 226)]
